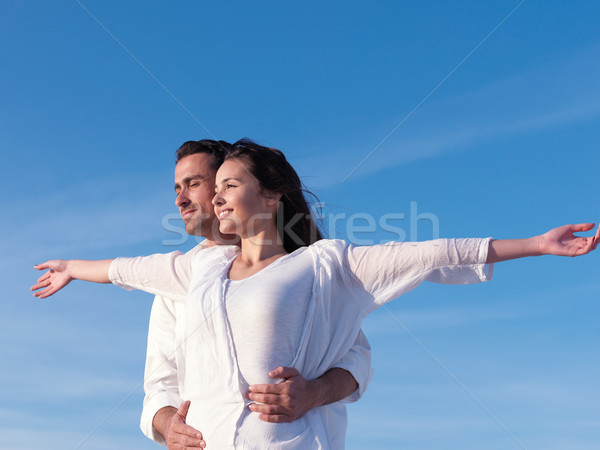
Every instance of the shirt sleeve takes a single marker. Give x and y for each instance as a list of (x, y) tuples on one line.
[(358, 362), (160, 376), (163, 274), (387, 271)]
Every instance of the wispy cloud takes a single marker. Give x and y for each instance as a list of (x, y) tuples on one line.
[(46, 434), (96, 215), (514, 307), (544, 401), (87, 354), (65, 376), (555, 94)]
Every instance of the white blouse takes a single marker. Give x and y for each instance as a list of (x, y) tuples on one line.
[(304, 310)]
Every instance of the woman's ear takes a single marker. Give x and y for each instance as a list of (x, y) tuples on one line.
[(272, 197)]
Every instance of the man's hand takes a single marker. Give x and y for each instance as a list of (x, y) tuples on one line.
[(61, 272), (54, 280), (286, 401), (179, 435)]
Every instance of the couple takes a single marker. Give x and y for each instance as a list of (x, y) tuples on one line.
[(282, 295)]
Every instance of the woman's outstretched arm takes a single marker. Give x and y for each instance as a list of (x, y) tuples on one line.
[(62, 272), (559, 241)]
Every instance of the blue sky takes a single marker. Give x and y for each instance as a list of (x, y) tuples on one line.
[(506, 146)]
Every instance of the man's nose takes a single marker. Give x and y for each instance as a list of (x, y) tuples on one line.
[(182, 199)]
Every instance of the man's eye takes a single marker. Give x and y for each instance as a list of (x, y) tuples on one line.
[(194, 184)]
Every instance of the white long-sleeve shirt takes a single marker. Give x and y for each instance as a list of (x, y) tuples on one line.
[(163, 357), (330, 286)]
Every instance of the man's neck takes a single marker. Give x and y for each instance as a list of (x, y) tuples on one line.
[(221, 240)]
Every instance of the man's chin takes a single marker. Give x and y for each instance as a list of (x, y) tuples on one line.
[(193, 229)]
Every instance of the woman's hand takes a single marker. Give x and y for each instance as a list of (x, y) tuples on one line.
[(562, 242), (54, 280)]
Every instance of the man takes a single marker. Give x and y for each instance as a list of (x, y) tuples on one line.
[(164, 413)]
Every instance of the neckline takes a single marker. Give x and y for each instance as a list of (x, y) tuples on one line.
[(225, 273)]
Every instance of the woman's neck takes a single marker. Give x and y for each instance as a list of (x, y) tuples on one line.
[(261, 246), (258, 252)]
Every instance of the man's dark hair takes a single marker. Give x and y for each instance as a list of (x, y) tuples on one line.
[(217, 149)]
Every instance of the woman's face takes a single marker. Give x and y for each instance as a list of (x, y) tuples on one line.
[(240, 206)]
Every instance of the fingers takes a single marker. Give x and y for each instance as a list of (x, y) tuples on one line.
[(42, 292), (273, 414), (268, 409), (277, 389), (45, 293), (42, 266), (40, 285), (44, 277), (183, 429), (589, 245), (183, 409), (182, 435), (267, 399), (42, 281), (596, 238), (591, 242), (182, 441), (585, 244), (275, 418), (582, 227), (256, 391), (186, 437), (284, 372)]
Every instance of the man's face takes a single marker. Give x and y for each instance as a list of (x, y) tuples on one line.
[(195, 188)]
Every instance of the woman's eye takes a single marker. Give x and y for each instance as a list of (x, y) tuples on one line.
[(230, 186)]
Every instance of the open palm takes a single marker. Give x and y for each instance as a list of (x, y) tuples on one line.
[(562, 241), (52, 281)]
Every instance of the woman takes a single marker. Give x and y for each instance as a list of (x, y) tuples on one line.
[(287, 290)]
